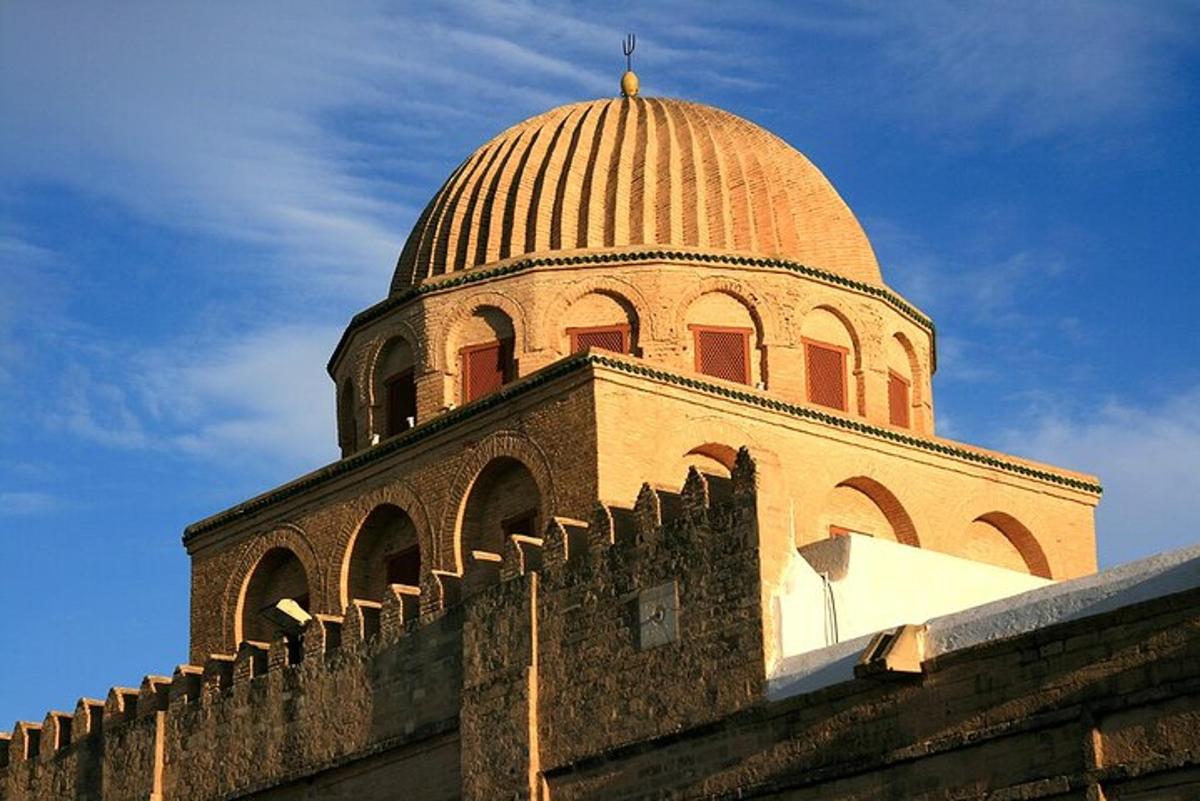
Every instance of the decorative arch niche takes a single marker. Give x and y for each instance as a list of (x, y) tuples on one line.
[(395, 387), (385, 550), (503, 500), (904, 383), (278, 574), (1001, 539), (713, 458), (862, 505), (832, 361), (600, 319), (724, 335), (483, 346)]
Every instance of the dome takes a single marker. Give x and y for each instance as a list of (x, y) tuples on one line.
[(628, 172)]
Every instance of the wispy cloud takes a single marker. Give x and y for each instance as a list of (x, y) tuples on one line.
[(1148, 458), (15, 504), (263, 400), (1042, 69), (1080, 69)]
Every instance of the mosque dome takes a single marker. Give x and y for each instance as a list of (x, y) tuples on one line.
[(635, 172)]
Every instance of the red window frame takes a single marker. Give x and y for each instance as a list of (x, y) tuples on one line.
[(399, 407), (900, 414), (745, 333), (504, 350), (623, 330), (808, 371)]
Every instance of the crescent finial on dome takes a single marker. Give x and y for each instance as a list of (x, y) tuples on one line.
[(629, 81)]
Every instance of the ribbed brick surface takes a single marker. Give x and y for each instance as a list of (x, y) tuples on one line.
[(635, 171)]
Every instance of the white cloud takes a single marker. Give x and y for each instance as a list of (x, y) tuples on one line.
[(1042, 68), (1148, 459), (260, 401), (13, 504)]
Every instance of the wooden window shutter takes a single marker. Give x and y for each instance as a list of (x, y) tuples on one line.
[(401, 402), (898, 400), (486, 368), (614, 338), (826, 366), (723, 353)]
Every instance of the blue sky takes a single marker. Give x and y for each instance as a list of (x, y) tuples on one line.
[(195, 197)]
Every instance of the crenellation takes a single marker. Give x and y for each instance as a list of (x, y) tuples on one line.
[(648, 515), (283, 652), (56, 734), (601, 529), (187, 683), (361, 624), (88, 718), (250, 662), (322, 636), (523, 555), (25, 743), (120, 706), (401, 607), (695, 496), (154, 695), (443, 590), (217, 677)]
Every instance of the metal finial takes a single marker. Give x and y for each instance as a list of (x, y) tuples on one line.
[(629, 81)]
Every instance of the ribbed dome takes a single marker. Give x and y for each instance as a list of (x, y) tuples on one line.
[(635, 171)]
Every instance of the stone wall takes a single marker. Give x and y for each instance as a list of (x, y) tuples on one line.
[(1105, 707), (620, 656)]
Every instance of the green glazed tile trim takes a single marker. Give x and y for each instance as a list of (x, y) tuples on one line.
[(472, 276), (572, 364)]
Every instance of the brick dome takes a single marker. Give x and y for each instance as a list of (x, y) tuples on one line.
[(635, 172)]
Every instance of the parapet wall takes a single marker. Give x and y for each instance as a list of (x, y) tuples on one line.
[(600, 633)]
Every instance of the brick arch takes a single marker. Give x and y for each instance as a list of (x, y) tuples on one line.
[(722, 454), (397, 329), (289, 536), (620, 290), (444, 360), (396, 493), (510, 444), (1022, 539), (761, 311), (914, 363), (889, 505), (853, 327)]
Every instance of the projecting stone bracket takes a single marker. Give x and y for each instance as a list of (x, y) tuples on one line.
[(895, 652)]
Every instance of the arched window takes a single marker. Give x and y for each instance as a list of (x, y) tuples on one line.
[(726, 340), (901, 378), (603, 321), (279, 574), (504, 500), (347, 425), (396, 388), (385, 551), (829, 356), (487, 355)]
